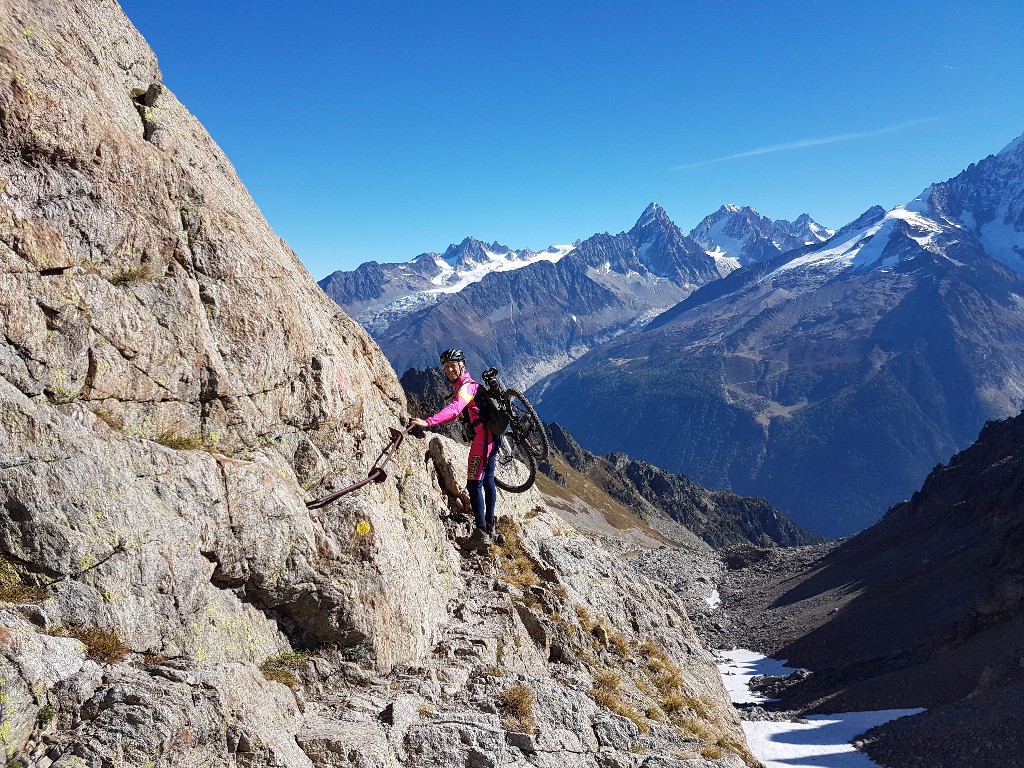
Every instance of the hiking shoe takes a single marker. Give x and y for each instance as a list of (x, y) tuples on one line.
[(476, 541)]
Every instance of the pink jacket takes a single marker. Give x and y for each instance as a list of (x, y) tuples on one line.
[(465, 391)]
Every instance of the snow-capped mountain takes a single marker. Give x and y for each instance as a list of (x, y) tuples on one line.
[(988, 200), (831, 378), (654, 263), (533, 320), (376, 294), (736, 236), (981, 209), (470, 260)]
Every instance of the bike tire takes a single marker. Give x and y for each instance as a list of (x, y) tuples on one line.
[(515, 469), (528, 425)]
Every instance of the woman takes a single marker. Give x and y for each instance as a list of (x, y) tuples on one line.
[(480, 472)]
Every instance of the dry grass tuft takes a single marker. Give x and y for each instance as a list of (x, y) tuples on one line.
[(619, 644), (586, 621), (134, 274), (109, 418), (607, 692), (519, 701), (102, 645), (13, 590), (176, 441), (21, 594), (711, 752), (665, 674), (514, 564)]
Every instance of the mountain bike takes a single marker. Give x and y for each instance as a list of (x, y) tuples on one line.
[(523, 444)]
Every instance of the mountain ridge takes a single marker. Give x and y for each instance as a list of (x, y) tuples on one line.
[(829, 377), (646, 268)]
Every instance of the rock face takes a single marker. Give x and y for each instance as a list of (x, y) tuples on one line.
[(828, 380), (165, 398), (173, 388)]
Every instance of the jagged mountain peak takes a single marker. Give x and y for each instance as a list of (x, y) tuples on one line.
[(806, 228), (653, 214), (469, 251), (1014, 148), (736, 235)]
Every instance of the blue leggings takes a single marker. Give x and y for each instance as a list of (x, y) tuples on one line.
[(482, 493)]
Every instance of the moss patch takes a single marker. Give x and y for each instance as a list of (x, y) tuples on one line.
[(282, 669)]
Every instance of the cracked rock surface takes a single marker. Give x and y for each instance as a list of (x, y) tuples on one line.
[(173, 388)]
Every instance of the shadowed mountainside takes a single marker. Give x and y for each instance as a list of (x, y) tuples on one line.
[(923, 609), (720, 518)]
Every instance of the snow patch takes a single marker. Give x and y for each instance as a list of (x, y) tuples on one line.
[(724, 263), (1002, 240), (823, 742), (863, 248), (739, 665), (819, 741), (452, 280)]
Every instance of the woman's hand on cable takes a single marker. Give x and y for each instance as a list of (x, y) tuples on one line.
[(421, 423)]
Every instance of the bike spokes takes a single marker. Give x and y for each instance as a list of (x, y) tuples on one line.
[(526, 425), (515, 469)]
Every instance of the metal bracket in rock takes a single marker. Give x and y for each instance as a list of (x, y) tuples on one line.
[(377, 473)]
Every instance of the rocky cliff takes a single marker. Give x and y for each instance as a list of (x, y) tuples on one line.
[(174, 387)]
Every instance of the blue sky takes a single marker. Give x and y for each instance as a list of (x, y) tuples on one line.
[(382, 130)]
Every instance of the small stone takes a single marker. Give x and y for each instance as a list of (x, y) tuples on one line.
[(521, 741)]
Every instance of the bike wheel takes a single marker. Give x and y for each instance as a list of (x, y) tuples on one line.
[(526, 425), (515, 469)]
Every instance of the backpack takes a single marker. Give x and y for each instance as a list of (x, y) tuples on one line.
[(494, 412)]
